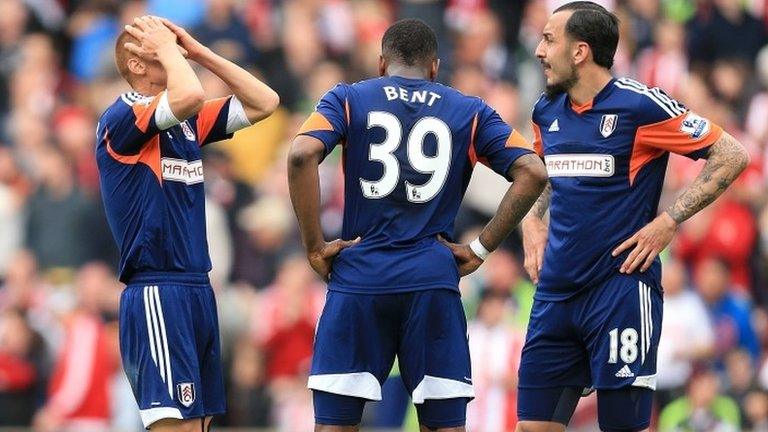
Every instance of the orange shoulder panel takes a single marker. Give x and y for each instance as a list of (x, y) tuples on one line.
[(206, 118), (472, 151), (675, 136), (315, 122), (538, 147), (144, 113), (518, 140)]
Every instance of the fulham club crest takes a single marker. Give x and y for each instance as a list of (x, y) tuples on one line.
[(608, 124), (186, 393), (188, 133)]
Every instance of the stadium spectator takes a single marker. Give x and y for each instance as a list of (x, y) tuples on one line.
[(702, 409), (686, 334), (20, 371), (495, 349), (80, 386), (728, 311)]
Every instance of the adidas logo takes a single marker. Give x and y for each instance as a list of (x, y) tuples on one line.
[(554, 127), (624, 372)]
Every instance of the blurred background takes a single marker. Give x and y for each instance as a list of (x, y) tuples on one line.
[(59, 360)]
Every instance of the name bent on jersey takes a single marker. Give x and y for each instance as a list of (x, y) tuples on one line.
[(606, 162), (409, 146)]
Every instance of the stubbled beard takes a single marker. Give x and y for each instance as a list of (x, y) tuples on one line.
[(564, 85)]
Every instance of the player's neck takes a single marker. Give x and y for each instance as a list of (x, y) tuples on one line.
[(147, 88), (591, 82), (406, 72)]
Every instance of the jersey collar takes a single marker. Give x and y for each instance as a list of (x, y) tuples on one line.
[(581, 109)]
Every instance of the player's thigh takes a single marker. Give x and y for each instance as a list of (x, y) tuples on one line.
[(176, 425), (623, 343), (626, 409), (539, 426), (624, 327), (433, 353), (354, 350), (442, 415), (208, 344), (554, 366)]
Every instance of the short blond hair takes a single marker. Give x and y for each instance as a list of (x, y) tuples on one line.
[(122, 54)]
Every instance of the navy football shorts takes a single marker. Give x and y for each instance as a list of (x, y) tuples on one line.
[(358, 337), (604, 338), (169, 342)]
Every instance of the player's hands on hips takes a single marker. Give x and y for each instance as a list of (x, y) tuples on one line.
[(466, 260), (194, 48), (154, 38), (322, 259), (648, 243), (534, 242)]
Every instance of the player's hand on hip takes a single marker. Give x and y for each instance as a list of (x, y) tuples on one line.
[(321, 260), (466, 260), (154, 38), (534, 243), (191, 45), (647, 244)]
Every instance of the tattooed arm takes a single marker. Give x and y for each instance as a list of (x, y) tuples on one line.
[(528, 179), (726, 159), (534, 231)]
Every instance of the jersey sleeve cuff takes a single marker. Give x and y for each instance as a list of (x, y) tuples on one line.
[(164, 117), (236, 117)]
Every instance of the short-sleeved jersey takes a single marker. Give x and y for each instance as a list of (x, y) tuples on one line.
[(606, 162), (409, 147), (152, 183)]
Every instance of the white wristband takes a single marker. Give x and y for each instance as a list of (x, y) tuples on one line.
[(479, 249)]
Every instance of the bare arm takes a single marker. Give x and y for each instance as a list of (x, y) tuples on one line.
[(540, 207), (304, 185), (184, 91), (726, 159), (534, 231), (258, 99), (528, 180)]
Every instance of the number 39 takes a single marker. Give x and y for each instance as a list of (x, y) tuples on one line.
[(436, 166)]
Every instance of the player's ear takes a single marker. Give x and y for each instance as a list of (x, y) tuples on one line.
[(136, 66), (433, 69), (382, 65), (580, 52)]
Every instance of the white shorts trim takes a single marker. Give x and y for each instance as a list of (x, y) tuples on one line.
[(357, 384), (149, 416), (441, 388), (647, 381)]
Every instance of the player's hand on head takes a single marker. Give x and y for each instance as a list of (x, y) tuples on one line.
[(321, 260), (534, 242), (465, 258), (647, 244), (154, 37), (191, 45)]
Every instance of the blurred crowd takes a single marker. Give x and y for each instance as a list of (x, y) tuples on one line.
[(59, 360)]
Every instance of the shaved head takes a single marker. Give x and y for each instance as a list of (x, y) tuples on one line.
[(122, 54)]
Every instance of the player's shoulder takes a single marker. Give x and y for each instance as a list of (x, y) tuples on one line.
[(124, 105), (649, 104), (546, 105)]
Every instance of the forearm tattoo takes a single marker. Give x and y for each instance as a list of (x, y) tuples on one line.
[(726, 159), (540, 207)]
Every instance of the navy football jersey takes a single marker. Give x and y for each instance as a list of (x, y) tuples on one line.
[(152, 183), (606, 162), (409, 146)]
